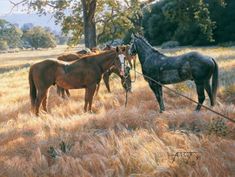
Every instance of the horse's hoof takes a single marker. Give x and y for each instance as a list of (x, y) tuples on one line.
[(90, 112)]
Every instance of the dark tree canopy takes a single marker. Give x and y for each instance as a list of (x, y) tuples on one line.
[(224, 16), (186, 21)]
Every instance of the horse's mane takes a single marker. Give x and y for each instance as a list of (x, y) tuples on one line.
[(96, 54), (145, 40)]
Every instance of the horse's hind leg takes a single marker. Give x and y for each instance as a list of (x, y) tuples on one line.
[(44, 101), (86, 100), (67, 93), (40, 97), (209, 91), (201, 95), (89, 97)]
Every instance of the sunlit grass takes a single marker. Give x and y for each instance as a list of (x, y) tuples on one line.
[(115, 141)]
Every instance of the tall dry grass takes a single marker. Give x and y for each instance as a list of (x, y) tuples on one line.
[(117, 141)]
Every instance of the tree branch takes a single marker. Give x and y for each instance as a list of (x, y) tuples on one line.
[(16, 4)]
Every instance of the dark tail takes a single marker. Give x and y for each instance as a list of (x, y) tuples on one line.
[(215, 81), (33, 91)]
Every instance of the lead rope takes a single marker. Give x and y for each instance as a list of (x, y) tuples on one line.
[(125, 82), (125, 78), (177, 93), (134, 61)]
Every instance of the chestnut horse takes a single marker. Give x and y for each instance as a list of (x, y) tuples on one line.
[(125, 81), (85, 73), (125, 78)]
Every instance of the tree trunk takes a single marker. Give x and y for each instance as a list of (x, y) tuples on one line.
[(89, 7)]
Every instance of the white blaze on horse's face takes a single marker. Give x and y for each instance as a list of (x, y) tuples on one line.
[(122, 60)]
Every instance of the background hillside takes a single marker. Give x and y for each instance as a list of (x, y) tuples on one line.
[(44, 20)]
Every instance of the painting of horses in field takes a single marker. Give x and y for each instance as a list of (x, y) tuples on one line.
[(117, 88)]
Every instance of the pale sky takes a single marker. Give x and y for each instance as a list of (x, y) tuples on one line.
[(6, 6)]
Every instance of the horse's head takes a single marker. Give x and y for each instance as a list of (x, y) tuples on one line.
[(120, 60), (132, 50)]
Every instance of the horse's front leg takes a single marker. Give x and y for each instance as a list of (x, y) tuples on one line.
[(106, 76), (157, 89), (67, 92), (159, 96)]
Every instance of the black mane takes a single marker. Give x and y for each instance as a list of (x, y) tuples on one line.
[(145, 40)]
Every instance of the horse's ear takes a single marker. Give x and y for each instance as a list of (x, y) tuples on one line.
[(117, 49), (133, 35)]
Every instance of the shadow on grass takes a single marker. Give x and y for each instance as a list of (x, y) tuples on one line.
[(13, 68)]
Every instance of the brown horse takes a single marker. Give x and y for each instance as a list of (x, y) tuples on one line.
[(125, 81), (85, 73), (125, 78)]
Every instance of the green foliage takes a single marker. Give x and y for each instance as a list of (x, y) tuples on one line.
[(224, 15), (185, 21), (113, 19), (218, 127), (10, 35), (38, 37), (3, 45), (26, 27), (61, 40)]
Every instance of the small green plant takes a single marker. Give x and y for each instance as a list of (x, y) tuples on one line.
[(182, 87), (229, 90), (218, 127)]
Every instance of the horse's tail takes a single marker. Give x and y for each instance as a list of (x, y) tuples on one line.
[(215, 81), (33, 91)]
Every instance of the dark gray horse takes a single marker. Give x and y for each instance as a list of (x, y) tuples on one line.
[(170, 70)]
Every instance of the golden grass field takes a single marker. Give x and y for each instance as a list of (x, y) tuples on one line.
[(136, 141)]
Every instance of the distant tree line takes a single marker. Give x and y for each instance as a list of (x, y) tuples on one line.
[(189, 22), (95, 21), (28, 36)]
